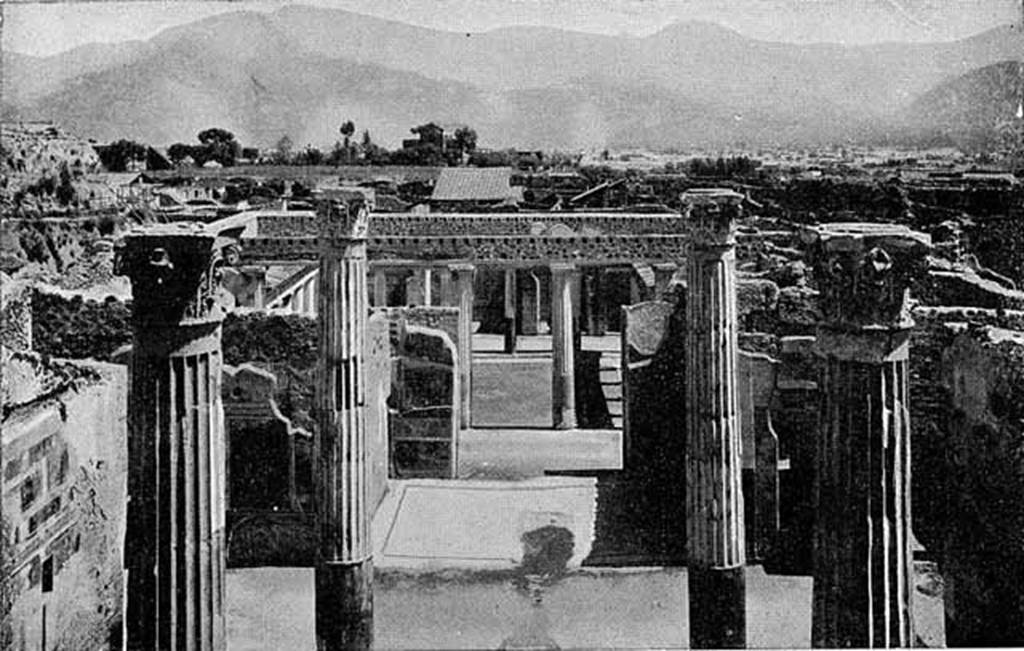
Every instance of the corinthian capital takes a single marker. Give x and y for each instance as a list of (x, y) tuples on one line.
[(864, 272), (175, 274), (712, 214)]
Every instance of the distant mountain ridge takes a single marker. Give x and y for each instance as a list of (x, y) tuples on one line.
[(300, 71), (969, 110)]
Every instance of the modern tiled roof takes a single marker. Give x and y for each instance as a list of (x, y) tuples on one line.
[(475, 184)]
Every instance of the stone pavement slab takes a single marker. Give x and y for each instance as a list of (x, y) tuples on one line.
[(443, 524)]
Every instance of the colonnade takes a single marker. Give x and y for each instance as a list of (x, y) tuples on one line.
[(175, 546)]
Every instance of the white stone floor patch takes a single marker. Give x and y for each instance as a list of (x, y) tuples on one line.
[(478, 524)]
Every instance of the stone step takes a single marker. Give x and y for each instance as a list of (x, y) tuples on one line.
[(610, 377), (612, 392)]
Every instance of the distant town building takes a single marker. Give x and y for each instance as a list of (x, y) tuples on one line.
[(429, 134)]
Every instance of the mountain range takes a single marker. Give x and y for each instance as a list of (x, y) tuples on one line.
[(301, 71)]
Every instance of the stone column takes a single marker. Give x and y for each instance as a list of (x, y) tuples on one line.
[(862, 558), (428, 286), (589, 294), (380, 288), (445, 288), (714, 495), (174, 549), (510, 311), (564, 278), (601, 304), (463, 273), (529, 303), (344, 567)]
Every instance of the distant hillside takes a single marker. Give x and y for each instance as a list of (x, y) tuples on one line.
[(300, 71), (969, 109)]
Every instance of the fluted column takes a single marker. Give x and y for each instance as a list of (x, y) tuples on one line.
[(445, 287), (862, 558), (564, 278), (344, 567), (174, 547), (463, 273), (714, 494)]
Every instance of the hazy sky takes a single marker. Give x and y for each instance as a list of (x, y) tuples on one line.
[(47, 28)]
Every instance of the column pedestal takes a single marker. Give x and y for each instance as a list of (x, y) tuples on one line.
[(564, 277), (718, 618), (346, 592)]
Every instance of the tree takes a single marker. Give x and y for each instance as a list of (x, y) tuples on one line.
[(372, 153), (465, 139), (215, 135), (220, 145), (119, 155), (347, 129), (337, 155), (310, 156), (283, 151), (178, 152)]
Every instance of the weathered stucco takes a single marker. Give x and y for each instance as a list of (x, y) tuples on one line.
[(64, 441)]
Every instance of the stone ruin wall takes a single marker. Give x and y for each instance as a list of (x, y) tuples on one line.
[(377, 365), (64, 492), (424, 419), (980, 478), (998, 241), (276, 532), (79, 327)]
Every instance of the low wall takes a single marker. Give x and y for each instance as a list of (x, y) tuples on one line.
[(271, 482)]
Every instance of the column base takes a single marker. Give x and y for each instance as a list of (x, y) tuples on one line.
[(718, 612), (566, 419), (344, 606)]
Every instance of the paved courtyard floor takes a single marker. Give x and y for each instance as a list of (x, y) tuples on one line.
[(450, 555), (272, 608)]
